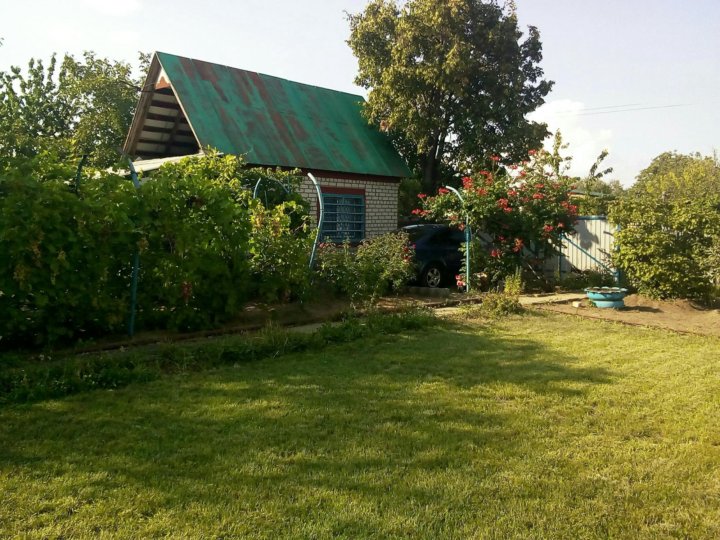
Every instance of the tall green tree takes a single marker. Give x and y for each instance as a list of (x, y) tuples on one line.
[(67, 108), (451, 81)]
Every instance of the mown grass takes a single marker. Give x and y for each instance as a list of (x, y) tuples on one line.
[(537, 427)]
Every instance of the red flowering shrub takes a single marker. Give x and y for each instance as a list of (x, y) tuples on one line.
[(521, 210)]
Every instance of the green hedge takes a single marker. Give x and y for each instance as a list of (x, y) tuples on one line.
[(205, 247)]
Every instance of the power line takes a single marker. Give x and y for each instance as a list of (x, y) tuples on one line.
[(636, 109), (614, 109)]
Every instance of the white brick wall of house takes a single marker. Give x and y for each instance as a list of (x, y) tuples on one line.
[(381, 201)]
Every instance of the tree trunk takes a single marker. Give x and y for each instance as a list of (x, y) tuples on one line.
[(429, 182), (430, 166)]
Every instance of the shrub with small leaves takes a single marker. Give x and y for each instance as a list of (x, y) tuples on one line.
[(376, 267)]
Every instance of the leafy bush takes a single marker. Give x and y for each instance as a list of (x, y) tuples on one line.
[(498, 304), (494, 305), (66, 259), (589, 278), (193, 236), (205, 248), (279, 252), (522, 211), (667, 224), (373, 269), (514, 283)]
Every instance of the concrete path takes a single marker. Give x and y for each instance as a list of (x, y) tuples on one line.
[(526, 300), (559, 298)]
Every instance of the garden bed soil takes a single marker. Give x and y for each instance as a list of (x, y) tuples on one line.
[(677, 315)]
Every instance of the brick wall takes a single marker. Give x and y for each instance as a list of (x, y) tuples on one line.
[(381, 201)]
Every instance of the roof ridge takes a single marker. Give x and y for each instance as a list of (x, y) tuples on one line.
[(263, 74)]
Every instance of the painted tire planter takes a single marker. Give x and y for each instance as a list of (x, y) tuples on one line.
[(606, 297)]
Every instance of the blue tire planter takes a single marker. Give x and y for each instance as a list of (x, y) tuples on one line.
[(607, 297)]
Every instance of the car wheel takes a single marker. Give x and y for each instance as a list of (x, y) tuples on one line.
[(432, 276)]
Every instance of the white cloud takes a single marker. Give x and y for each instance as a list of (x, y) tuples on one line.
[(585, 144), (114, 7)]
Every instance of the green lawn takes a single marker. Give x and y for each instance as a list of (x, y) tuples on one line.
[(539, 427)]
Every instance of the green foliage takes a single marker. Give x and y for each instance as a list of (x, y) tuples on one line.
[(67, 108), (668, 221), (205, 247), (514, 283), (65, 259), (46, 377), (194, 232), (597, 193), (520, 211), (500, 304), (374, 268), (452, 82), (577, 281), (279, 252), (494, 305), (407, 196)]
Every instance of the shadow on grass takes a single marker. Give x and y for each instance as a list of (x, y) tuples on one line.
[(387, 423)]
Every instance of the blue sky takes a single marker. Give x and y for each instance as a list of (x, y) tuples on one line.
[(607, 58)]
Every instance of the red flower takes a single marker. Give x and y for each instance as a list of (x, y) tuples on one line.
[(538, 196), (502, 203), (548, 228), (507, 209), (416, 212), (481, 191), (560, 225), (512, 193), (443, 191), (495, 158), (496, 254), (532, 152), (539, 186), (421, 195), (467, 182)]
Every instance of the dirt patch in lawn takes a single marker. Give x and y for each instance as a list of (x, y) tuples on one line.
[(678, 315)]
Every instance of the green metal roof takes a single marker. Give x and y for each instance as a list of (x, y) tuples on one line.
[(276, 122)]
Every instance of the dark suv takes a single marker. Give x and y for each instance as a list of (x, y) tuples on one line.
[(437, 253)]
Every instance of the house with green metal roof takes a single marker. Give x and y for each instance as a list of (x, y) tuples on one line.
[(189, 105)]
